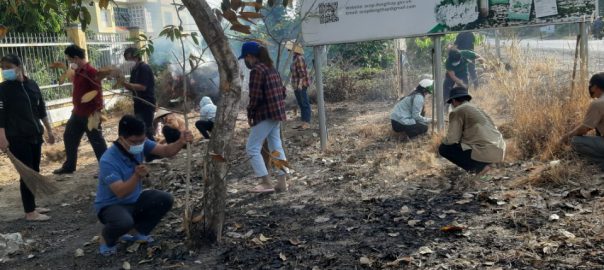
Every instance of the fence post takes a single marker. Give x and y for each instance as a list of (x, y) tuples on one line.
[(78, 37)]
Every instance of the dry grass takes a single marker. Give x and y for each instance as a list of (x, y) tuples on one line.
[(122, 106), (538, 101)]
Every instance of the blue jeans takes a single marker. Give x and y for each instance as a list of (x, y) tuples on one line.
[(265, 130), (304, 104)]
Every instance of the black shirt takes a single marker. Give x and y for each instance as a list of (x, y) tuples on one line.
[(465, 41), (21, 108), (142, 74)]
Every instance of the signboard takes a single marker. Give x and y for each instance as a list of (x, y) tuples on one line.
[(343, 21)]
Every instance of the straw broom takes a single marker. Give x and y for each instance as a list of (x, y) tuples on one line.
[(38, 184)]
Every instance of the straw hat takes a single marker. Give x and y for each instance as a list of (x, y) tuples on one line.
[(160, 113), (290, 45)]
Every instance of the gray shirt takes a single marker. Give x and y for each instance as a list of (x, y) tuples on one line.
[(408, 111)]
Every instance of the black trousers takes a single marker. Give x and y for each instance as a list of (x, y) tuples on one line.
[(171, 134), (143, 216), (29, 154), (411, 130), (75, 129), (145, 112), (204, 127), (461, 158)]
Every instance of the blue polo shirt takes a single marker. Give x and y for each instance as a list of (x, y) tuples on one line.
[(115, 166)]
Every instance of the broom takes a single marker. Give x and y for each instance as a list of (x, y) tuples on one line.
[(38, 184)]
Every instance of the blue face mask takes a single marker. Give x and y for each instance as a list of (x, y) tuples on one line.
[(136, 149), (9, 74)]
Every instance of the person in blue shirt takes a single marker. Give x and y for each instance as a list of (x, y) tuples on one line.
[(407, 115), (125, 210)]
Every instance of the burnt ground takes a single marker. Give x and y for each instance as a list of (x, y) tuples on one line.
[(371, 201)]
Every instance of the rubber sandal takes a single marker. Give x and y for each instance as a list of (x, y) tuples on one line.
[(260, 189), (40, 217), (42, 210), (139, 238), (106, 250)]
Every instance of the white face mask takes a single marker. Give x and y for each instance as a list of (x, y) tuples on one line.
[(456, 63), (73, 66)]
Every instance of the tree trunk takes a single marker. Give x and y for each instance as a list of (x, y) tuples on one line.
[(210, 231)]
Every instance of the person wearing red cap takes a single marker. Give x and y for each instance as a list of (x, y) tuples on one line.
[(265, 112)]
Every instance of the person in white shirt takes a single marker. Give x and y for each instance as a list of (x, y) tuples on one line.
[(407, 115), (207, 110)]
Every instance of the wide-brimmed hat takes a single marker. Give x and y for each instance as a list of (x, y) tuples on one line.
[(458, 92), (290, 45), (161, 113)]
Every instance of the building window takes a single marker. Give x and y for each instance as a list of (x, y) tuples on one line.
[(140, 17), (122, 17)]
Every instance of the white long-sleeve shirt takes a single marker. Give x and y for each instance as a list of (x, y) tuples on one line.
[(408, 111)]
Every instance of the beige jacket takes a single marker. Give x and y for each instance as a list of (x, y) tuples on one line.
[(475, 130)]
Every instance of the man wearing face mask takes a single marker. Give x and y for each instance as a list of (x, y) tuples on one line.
[(590, 147), (142, 85), (21, 109), (127, 212), (457, 69), (84, 81)]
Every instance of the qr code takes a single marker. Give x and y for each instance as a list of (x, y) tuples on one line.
[(328, 12)]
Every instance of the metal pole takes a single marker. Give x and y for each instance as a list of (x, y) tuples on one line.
[(584, 51), (497, 44), (438, 83), (320, 100)]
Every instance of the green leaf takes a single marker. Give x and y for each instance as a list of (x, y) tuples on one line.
[(195, 39)]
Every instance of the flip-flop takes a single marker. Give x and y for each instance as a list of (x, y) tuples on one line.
[(107, 251), (42, 210), (139, 238), (260, 189), (40, 217)]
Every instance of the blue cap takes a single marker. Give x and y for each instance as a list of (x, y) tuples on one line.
[(250, 47)]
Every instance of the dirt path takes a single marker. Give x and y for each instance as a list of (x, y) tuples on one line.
[(370, 202)]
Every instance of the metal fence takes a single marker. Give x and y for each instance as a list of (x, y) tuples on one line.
[(39, 51), (108, 50)]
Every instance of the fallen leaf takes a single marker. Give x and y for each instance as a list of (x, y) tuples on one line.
[(197, 219), (394, 234), (79, 252), (234, 235), (550, 248), (145, 261), (257, 241), (398, 261), (413, 222), (425, 250), (321, 219), (404, 210), (217, 157), (126, 266), (451, 229), (282, 257), (365, 261), (134, 247), (248, 234), (568, 235), (3, 31), (295, 242), (263, 238), (94, 120), (151, 251), (554, 217), (463, 201), (57, 65), (89, 96)]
